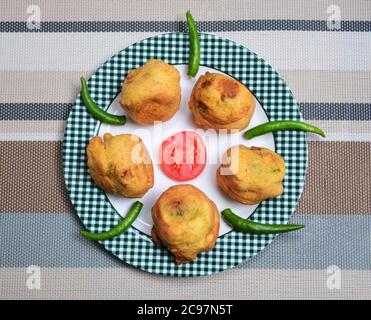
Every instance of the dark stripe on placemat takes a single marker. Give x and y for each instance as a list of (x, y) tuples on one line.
[(33, 171), (180, 26), (335, 111), (34, 111), (310, 110)]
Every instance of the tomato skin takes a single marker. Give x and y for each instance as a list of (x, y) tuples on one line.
[(183, 156)]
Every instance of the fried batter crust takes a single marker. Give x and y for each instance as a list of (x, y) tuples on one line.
[(120, 164), (250, 175), (220, 102), (185, 221), (152, 92)]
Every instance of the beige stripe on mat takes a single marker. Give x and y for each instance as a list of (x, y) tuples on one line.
[(342, 130), (338, 178), (43, 87), (307, 86), (34, 170), (329, 86), (128, 283), (32, 177), (39, 130), (149, 10)]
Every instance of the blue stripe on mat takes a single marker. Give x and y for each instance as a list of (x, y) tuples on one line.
[(335, 111), (310, 110), (34, 111), (180, 26), (53, 240)]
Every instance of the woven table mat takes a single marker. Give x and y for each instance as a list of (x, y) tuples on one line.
[(321, 49)]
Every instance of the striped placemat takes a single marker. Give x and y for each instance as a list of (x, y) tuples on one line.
[(321, 49)]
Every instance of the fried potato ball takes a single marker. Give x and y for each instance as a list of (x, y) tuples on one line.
[(185, 221), (152, 92), (220, 102), (250, 175), (120, 164)]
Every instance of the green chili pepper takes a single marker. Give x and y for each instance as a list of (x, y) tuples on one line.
[(245, 225), (195, 47), (120, 228), (97, 112), (282, 125)]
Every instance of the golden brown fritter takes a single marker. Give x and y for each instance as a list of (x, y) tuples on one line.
[(120, 164), (185, 221), (152, 92), (220, 102), (250, 175)]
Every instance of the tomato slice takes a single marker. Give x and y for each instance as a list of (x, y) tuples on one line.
[(183, 156)]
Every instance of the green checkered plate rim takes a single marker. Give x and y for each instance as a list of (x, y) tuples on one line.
[(90, 202)]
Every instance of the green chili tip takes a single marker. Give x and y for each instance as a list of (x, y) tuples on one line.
[(96, 111), (120, 228), (248, 226), (273, 126)]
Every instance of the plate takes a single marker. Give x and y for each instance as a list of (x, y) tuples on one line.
[(99, 211)]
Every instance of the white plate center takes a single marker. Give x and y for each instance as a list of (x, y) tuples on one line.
[(216, 145)]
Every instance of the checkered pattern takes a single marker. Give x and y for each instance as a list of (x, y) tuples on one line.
[(91, 204)]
